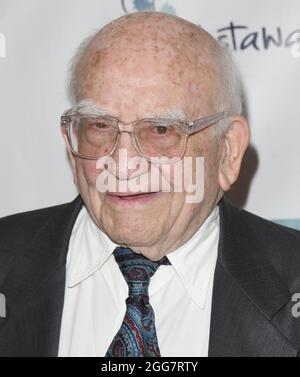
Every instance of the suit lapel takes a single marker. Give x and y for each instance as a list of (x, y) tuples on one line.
[(248, 296), (34, 310)]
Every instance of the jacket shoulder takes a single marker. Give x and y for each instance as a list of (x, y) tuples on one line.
[(276, 244), (24, 235), (24, 225)]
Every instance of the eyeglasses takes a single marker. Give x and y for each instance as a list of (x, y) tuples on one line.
[(94, 136)]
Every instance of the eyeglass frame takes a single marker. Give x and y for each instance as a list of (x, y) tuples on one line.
[(187, 127)]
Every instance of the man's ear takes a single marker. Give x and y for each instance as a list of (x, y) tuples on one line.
[(71, 156), (233, 143)]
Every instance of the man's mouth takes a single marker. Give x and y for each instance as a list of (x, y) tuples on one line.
[(124, 198)]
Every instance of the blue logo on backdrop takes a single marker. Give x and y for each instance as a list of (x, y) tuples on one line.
[(130, 6)]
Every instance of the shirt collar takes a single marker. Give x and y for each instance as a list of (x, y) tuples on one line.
[(89, 249), (194, 262)]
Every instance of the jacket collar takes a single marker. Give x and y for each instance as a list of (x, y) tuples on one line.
[(246, 258), (247, 288)]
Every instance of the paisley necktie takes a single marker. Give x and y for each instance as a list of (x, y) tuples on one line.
[(137, 334)]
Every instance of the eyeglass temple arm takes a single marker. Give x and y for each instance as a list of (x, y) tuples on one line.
[(202, 123), (64, 121)]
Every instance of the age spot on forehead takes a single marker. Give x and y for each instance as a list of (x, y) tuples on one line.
[(147, 45)]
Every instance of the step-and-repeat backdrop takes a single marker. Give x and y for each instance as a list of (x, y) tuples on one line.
[(38, 38)]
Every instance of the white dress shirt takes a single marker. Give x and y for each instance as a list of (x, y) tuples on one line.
[(95, 293)]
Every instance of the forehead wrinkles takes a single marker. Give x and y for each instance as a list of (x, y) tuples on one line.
[(185, 54)]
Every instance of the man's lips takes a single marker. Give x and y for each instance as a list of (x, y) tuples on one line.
[(141, 197), (130, 194)]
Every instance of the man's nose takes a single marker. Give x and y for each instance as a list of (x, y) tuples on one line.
[(127, 158)]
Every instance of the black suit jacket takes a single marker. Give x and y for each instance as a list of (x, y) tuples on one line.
[(257, 273)]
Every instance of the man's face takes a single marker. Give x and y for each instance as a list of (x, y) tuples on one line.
[(135, 82)]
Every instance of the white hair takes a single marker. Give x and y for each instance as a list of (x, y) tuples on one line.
[(73, 84), (230, 95)]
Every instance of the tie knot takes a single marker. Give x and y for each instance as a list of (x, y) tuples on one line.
[(137, 269)]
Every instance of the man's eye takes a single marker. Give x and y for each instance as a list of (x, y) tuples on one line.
[(161, 130), (99, 125)]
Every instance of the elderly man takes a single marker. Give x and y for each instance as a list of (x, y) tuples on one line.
[(140, 271)]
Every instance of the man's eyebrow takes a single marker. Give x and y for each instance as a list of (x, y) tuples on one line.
[(89, 108), (170, 114), (86, 107)]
